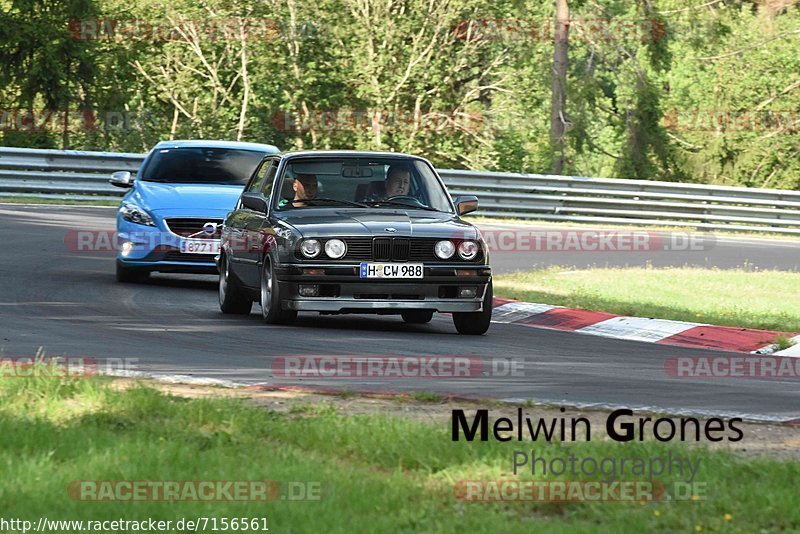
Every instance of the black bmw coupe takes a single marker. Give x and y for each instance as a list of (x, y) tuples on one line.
[(354, 232)]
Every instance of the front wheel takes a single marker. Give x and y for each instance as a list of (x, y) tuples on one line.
[(231, 297), (271, 310), (476, 323)]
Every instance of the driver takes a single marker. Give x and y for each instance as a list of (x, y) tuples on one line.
[(398, 181), (305, 188)]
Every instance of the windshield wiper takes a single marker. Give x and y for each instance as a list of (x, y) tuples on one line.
[(401, 204), (338, 200)]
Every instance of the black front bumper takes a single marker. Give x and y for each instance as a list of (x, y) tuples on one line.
[(341, 290)]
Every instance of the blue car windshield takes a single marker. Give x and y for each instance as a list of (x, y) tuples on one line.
[(224, 166)]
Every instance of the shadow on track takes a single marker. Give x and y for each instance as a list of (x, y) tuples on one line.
[(186, 281)]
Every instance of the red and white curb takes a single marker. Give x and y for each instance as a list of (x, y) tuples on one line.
[(662, 331), (680, 333)]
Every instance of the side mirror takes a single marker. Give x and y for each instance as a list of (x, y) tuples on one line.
[(255, 202), (121, 179), (466, 204)]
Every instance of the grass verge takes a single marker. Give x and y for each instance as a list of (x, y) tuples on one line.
[(742, 298), (378, 473)]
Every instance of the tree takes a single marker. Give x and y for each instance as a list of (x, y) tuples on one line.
[(558, 121), (43, 62)]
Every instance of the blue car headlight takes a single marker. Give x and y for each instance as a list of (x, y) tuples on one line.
[(136, 214)]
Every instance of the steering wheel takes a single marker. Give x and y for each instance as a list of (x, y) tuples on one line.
[(406, 198)]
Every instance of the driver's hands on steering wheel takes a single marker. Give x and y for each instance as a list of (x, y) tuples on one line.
[(407, 198)]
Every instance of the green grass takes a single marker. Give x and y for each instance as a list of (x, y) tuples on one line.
[(783, 343), (743, 298), (378, 473), (425, 396)]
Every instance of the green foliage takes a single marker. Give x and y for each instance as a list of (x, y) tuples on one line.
[(371, 473), (654, 89), (43, 66)]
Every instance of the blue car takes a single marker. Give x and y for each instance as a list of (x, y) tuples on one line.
[(169, 220)]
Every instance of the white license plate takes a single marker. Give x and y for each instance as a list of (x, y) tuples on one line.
[(200, 246), (391, 270)]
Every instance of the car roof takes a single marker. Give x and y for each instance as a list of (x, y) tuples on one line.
[(348, 153), (210, 143)]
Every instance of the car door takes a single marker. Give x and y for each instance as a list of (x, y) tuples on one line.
[(249, 255), (234, 232)]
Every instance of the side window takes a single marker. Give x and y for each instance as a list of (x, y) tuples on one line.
[(269, 178), (258, 180)]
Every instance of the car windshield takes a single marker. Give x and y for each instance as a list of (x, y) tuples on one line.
[(362, 182), (224, 166)]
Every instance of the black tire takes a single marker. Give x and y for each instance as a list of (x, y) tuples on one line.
[(418, 316), (231, 297), (476, 323), (270, 299), (130, 276)]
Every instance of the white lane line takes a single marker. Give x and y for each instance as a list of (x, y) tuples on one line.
[(516, 311), (654, 409), (637, 328), (176, 379)]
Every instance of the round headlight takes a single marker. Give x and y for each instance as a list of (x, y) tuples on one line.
[(468, 250), (444, 249), (310, 248), (335, 248)]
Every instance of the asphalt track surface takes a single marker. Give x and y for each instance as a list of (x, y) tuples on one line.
[(69, 304), (519, 249)]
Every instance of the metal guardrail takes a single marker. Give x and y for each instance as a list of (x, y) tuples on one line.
[(62, 174), (84, 175), (636, 202)]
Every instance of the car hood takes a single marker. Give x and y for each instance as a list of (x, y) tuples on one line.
[(362, 222), (185, 198)]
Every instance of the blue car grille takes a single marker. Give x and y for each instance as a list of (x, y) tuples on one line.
[(194, 227)]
